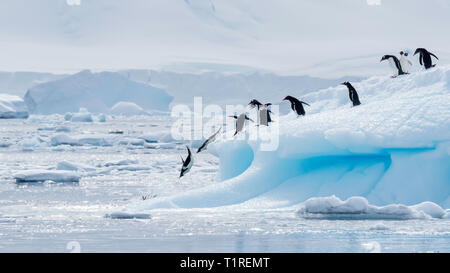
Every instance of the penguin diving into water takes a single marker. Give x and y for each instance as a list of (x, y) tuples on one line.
[(352, 93), (187, 164), (404, 62), (240, 122), (425, 57), (297, 105), (395, 64), (208, 141)]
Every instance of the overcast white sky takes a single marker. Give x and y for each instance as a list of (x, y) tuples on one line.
[(323, 38)]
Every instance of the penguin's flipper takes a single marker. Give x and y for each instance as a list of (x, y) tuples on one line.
[(433, 55)]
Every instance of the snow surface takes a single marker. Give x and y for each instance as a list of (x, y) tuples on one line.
[(12, 107), (392, 149), (96, 92)]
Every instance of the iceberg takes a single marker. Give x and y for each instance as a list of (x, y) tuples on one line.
[(392, 149), (125, 108), (12, 107), (97, 92)]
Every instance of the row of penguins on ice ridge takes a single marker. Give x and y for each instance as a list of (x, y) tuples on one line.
[(399, 67)]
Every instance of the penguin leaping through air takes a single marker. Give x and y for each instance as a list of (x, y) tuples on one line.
[(395, 64), (187, 164), (352, 93), (240, 122), (208, 141), (297, 105), (425, 57)]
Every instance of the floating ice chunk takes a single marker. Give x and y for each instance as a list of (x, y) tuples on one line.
[(101, 118), (121, 163), (160, 145), (125, 215), (69, 166), (431, 209), (359, 208), (31, 142), (157, 137), (12, 107), (132, 141), (46, 175), (80, 140)]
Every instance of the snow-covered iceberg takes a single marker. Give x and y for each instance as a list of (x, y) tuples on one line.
[(12, 107), (392, 149), (97, 92)]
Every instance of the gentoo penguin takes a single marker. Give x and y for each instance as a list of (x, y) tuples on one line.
[(404, 62), (263, 112), (264, 115), (395, 64), (208, 141), (352, 93), (425, 57), (254, 103), (240, 121), (297, 105), (187, 164)]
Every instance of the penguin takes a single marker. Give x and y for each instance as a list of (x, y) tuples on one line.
[(208, 141), (425, 57), (297, 105), (240, 121), (254, 103), (404, 62), (264, 115), (187, 164), (395, 64), (352, 93)]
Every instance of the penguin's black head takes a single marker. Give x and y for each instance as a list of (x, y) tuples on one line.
[(345, 83), (254, 103), (401, 53), (288, 98), (385, 57), (418, 51)]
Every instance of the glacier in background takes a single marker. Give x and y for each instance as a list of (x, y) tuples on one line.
[(394, 148)]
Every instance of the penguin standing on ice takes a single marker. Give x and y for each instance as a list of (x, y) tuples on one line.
[(352, 93), (395, 64), (208, 141), (264, 115), (254, 103), (425, 57), (297, 105), (240, 122), (404, 62), (187, 164)]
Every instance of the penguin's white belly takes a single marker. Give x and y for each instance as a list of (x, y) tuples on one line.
[(263, 117), (405, 65)]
